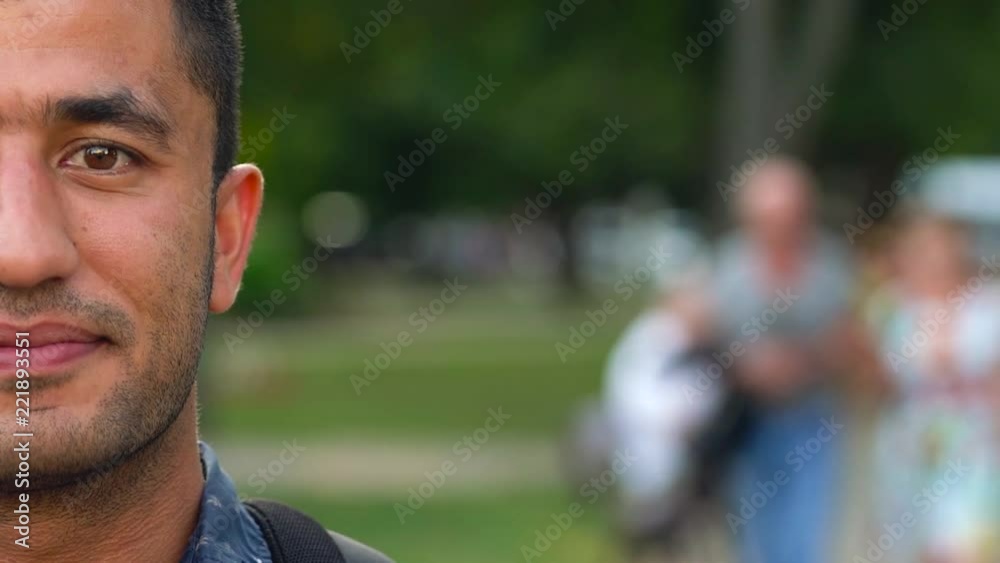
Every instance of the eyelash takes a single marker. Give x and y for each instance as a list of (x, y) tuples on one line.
[(136, 159)]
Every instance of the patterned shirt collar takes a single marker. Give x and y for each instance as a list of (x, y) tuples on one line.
[(226, 533)]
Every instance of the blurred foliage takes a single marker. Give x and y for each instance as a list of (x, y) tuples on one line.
[(354, 119)]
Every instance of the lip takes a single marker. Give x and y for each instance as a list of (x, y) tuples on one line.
[(51, 346)]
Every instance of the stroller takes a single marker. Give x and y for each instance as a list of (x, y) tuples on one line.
[(685, 445)]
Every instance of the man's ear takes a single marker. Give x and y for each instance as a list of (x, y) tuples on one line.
[(237, 208)]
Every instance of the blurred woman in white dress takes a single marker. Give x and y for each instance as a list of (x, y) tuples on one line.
[(939, 446)]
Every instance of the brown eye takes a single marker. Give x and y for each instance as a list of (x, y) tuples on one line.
[(100, 158)]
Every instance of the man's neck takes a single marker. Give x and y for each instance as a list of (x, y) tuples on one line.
[(143, 510)]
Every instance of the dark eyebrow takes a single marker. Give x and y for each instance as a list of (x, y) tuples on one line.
[(120, 109)]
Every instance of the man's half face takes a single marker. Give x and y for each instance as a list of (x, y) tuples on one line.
[(105, 228)]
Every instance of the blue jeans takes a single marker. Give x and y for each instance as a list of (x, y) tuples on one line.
[(784, 487)]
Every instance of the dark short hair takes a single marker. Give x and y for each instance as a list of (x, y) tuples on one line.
[(210, 43)]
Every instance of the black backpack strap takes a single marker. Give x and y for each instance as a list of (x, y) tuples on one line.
[(294, 537)]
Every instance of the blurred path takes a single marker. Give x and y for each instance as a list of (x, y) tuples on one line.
[(385, 466)]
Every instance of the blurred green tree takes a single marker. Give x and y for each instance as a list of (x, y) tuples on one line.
[(560, 77)]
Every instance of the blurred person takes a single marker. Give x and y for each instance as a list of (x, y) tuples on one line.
[(938, 445), (670, 416), (782, 295), (124, 222)]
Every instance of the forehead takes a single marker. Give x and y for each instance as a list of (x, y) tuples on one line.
[(51, 49)]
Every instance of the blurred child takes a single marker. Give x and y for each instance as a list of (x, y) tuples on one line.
[(938, 442)]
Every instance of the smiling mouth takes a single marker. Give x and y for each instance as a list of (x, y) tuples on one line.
[(44, 349)]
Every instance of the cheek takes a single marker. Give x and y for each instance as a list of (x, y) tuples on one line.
[(139, 252)]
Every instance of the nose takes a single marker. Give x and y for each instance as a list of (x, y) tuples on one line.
[(35, 244)]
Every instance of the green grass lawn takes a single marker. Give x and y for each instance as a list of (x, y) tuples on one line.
[(486, 351), (489, 529), (476, 356)]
